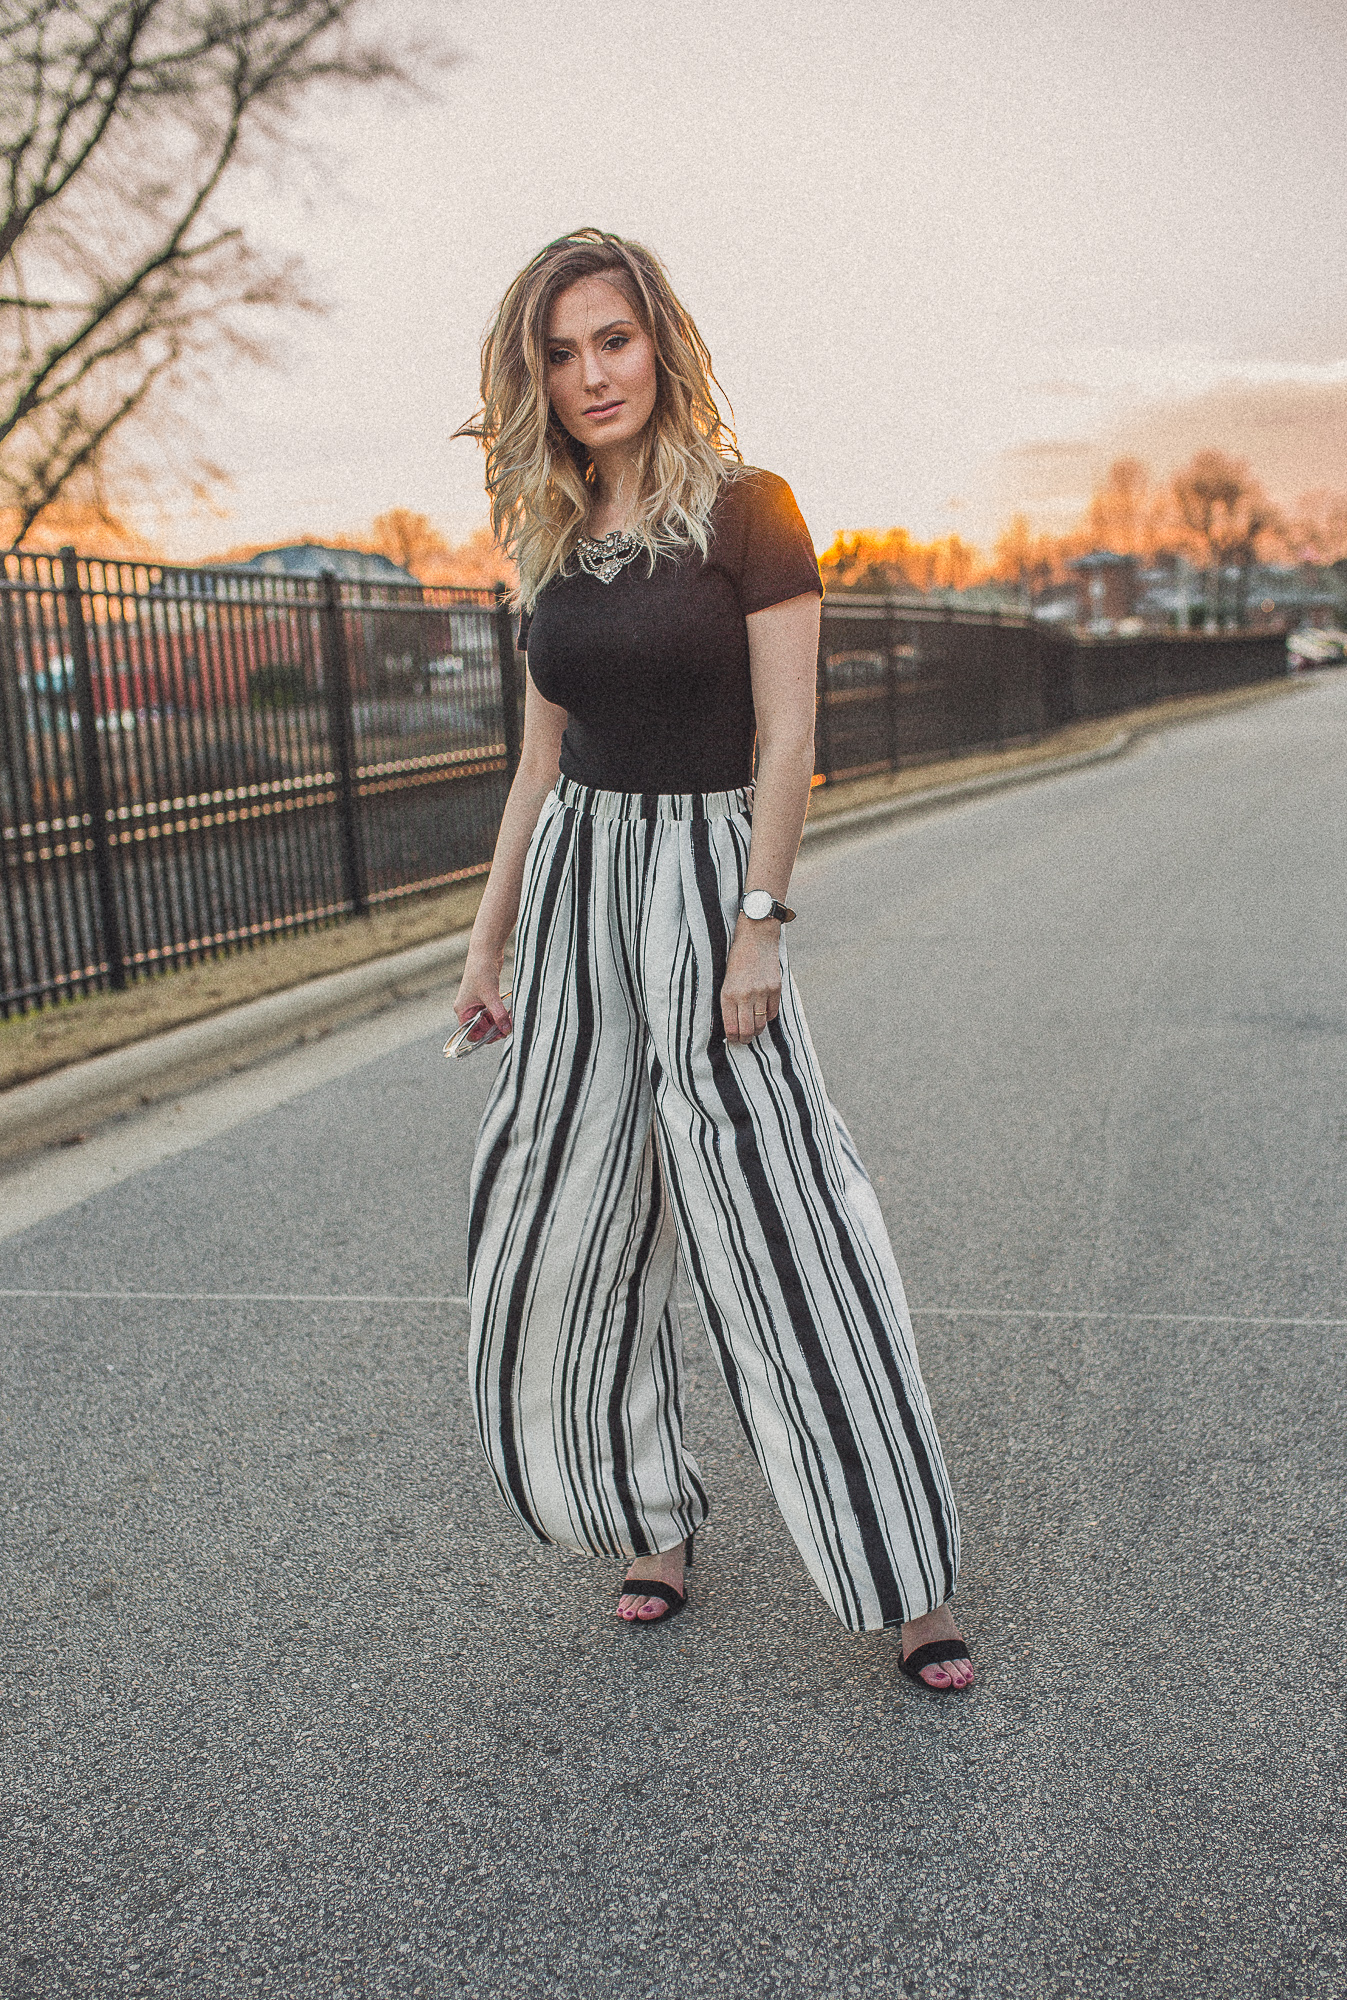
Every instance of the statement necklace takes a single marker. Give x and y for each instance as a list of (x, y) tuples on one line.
[(604, 559)]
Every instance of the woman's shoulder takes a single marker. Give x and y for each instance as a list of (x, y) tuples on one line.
[(752, 489), (752, 503), (761, 540)]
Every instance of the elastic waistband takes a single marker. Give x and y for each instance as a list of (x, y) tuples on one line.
[(653, 805)]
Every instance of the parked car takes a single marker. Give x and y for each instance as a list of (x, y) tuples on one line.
[(1317, 649)]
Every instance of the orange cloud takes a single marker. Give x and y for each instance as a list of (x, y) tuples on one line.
[(1294, 434)]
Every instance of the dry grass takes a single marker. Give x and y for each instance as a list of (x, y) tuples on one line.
[(34, 1044)]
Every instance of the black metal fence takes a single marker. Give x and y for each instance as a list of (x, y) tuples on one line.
[(901, 684), (191, 760), (1111, 674)]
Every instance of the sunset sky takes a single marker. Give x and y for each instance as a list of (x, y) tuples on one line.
[(948, 260)]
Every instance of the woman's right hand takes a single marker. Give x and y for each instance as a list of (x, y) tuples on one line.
[(479, 992)]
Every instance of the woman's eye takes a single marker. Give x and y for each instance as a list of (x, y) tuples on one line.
[(557, 356), (616, 340)]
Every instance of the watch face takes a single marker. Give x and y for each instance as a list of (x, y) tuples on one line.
[(757, 904)]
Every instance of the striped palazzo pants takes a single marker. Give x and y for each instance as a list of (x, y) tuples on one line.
[(623, 1127)]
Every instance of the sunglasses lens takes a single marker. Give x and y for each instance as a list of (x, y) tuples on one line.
[(470, 1037)]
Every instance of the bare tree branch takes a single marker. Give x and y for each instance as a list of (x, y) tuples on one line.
[(1227, 515), (121, 123), (81, 451)]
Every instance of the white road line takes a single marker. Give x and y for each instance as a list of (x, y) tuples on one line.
[(261, 1298), (1142, 1318), (455, 1299)]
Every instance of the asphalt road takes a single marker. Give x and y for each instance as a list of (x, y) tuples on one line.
[(289, 1705)]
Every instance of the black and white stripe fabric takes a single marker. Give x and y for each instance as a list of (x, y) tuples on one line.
[(622, 1126)]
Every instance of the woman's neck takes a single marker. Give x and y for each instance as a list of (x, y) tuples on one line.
[(617, 481)]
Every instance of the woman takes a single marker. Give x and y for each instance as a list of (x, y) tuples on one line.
[(660, 1090)]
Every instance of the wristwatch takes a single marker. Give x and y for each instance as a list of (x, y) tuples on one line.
[(761, 903)]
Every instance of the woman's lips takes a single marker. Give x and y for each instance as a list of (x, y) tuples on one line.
[(603, 409)]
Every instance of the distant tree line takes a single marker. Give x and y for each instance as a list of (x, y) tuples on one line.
[(1213, 512), (413, 542)]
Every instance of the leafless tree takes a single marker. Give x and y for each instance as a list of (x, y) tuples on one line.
[(1317, 530), (121, 123), (1120, 510), (1228, 515)]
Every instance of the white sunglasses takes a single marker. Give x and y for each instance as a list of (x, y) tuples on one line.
[(465, 1043)]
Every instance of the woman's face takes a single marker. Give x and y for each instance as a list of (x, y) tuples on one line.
[(600, 365)]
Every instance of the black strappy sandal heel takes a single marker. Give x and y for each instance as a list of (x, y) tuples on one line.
[(935, 1654), (665, 1592)]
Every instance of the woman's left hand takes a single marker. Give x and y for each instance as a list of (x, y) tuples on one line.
[(750, 996)]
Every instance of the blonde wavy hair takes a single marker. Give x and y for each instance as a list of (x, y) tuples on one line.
[(540, 479)]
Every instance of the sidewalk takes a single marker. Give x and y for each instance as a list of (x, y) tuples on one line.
[(64, 1070)]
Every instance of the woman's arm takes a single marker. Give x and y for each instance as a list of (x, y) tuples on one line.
[(783, 658), (539, 762)]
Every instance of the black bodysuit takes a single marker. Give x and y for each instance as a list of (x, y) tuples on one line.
[(653, 670)]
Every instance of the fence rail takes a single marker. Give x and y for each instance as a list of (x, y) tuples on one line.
[(191, 760)]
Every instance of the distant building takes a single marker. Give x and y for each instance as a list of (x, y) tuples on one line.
[(1267, 597), (1109, 588), (1300, 595), (1172, 594), (311, 559), (1114, 595)]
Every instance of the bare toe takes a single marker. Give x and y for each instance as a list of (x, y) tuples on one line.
[(951, 1673)]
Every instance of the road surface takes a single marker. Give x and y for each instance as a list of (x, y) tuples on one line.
[(290, 1705)]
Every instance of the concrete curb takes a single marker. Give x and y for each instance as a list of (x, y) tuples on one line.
[(859, 819), (54, 1108)]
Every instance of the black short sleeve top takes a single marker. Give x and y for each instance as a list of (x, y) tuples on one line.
[(652, 669)]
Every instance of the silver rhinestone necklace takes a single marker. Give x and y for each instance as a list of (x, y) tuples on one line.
[(604, 559)]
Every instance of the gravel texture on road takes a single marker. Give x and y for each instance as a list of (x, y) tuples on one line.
[(291, 1706)]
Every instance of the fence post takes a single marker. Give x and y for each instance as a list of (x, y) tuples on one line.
[(91, 773), (891, 684), (509, 678), (337, 684)]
